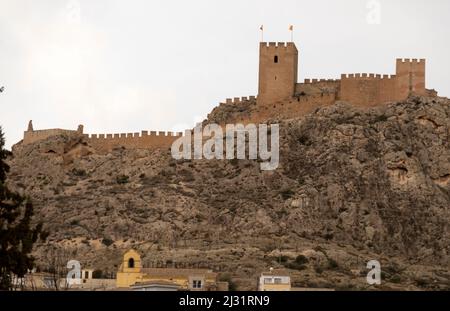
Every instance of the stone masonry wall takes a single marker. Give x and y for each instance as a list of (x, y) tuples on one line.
[(410, 77), (143, 140), (293, 107), (33, 136), (367, 89), (107, 142)]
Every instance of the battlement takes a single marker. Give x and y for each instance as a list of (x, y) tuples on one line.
[(278, 79), (137, 140), (366, 76), (237, 100), (107, 142), (367, 89), (277, 45), (310, 81), (142, 134), (409, 60)]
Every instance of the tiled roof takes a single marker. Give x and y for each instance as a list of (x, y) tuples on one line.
[(156, 283)]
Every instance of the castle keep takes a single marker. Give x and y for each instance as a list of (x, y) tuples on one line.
[(280, 94), (278, 66)]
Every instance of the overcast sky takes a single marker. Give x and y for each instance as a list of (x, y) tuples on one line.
[(125, 66)]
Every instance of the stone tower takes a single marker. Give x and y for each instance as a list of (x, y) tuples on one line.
[(131, 262), (30, 126), (410, 78), (278, 64)]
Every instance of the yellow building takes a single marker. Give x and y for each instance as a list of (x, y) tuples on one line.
[(132, 274), (274, 281)]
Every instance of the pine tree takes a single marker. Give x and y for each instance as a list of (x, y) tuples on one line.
[(17, 235)]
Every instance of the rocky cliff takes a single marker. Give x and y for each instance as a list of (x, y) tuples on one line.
[(353, 185)]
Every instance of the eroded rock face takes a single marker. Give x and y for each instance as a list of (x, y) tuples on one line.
[(353, 185), (377, 178)]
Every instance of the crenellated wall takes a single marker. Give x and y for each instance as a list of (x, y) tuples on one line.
[(278, 65), (142, 140), (367, 89), (321, 81), (238, 100), (107, 142), (372, 89)]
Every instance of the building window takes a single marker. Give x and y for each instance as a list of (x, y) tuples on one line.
[(86, 274), (277, 280), (275, 59), (131, 263), (197, 284), (267, 280)]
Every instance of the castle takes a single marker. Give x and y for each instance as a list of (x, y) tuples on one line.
[(278, 69), (277, 85)]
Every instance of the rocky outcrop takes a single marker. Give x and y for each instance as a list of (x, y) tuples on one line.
[(353, 185), (377, 178)]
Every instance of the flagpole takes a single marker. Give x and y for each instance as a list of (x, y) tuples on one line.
[(291, 29)]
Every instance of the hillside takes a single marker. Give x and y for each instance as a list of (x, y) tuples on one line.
[(353, 185)]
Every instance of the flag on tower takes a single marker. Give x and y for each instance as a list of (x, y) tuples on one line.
[(262, 32), (261, 28), (291, 27)]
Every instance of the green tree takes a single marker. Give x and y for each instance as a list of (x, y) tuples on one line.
[(17, 235)]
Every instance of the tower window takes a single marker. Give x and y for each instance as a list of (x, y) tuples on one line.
[(196, 284), (131, 263), (275, 59)]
